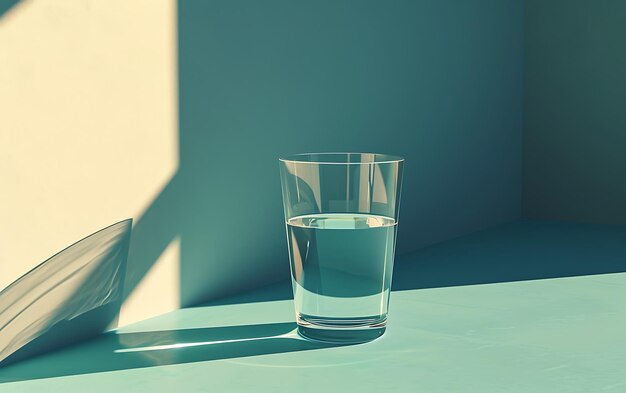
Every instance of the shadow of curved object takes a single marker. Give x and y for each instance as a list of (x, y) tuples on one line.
[(121, 351), (74, 295)]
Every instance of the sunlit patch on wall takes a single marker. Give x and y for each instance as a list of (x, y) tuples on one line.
[(159, 290), (89, 126)]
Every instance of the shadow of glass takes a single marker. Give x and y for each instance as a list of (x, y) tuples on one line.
[(121, 351), (74, 295)]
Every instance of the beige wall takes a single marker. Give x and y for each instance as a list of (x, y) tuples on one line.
[(88, 129)]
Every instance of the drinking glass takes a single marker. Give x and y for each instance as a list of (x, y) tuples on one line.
[(341, 216)]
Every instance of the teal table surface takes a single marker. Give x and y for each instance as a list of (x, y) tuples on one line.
[(564, 334)]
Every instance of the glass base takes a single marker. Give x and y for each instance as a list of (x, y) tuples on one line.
[(338, 331)]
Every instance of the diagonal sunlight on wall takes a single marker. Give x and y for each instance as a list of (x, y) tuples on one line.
[(147, 299), (6, 6), (88, 128)]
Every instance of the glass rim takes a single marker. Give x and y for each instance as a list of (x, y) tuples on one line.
[(379, 158)]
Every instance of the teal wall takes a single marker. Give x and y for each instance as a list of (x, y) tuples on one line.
[(439, 82), (575, 110)]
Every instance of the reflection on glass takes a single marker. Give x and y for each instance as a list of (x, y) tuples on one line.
[(74, 295)]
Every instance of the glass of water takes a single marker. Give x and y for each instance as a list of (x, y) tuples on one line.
[(341, 214)]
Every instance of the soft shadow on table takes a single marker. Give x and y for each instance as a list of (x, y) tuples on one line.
[(113, 351)]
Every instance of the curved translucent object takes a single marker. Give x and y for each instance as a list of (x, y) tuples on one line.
[(73, 295)]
